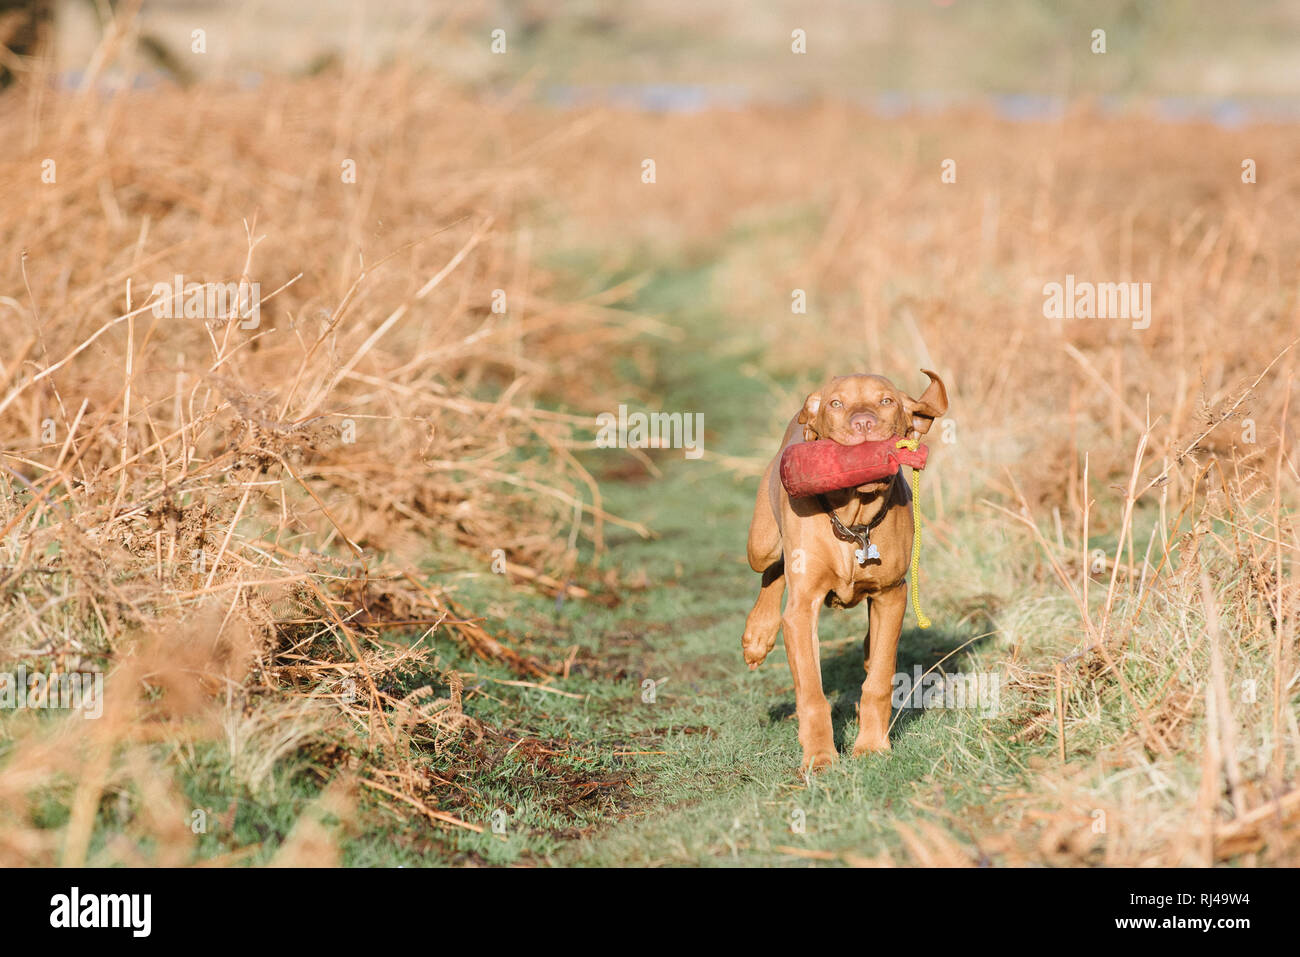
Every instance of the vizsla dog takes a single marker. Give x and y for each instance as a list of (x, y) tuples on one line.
[(794, 544)]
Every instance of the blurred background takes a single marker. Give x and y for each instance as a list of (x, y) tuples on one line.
[(1196, 53)]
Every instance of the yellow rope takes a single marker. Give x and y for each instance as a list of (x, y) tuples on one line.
[(921, 620)]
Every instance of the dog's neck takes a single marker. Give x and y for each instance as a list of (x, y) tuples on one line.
[(863, 505)]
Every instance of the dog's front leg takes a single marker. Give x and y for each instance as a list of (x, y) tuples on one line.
[(799, 628), (883, 629), (764, 620)]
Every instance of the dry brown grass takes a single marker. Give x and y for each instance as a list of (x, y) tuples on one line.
[(227, 519)]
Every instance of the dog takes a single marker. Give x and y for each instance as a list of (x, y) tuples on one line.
[(794, 545)]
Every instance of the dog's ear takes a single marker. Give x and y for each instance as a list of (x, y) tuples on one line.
[(808, 413), (932, 404), (810, 407)]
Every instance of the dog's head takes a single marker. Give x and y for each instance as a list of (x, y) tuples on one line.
[(852, 409)]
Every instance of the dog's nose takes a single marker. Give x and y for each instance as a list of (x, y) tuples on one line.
[(862, 422)]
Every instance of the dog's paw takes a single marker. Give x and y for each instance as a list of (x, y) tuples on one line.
[(861, 747), (818, 761), (756, 649)]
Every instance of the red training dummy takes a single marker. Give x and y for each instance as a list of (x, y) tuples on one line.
[(823, 465)]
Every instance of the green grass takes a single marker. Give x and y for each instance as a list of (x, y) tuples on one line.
[(733, 794)]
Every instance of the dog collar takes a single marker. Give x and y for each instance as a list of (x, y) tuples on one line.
[(859, 535)]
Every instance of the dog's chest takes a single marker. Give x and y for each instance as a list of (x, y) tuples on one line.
[(856, 580), (885, 562)]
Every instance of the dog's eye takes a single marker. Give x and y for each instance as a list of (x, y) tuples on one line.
[(836, 404), (886, 401)]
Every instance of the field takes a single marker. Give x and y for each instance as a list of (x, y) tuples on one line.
[(363, 588)]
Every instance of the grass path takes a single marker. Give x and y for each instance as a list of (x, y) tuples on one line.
[(734, 794), (710, 766)]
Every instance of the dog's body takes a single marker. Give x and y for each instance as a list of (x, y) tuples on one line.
[(793, 545)]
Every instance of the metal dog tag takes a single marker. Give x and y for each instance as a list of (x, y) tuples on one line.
[(871, 552)]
